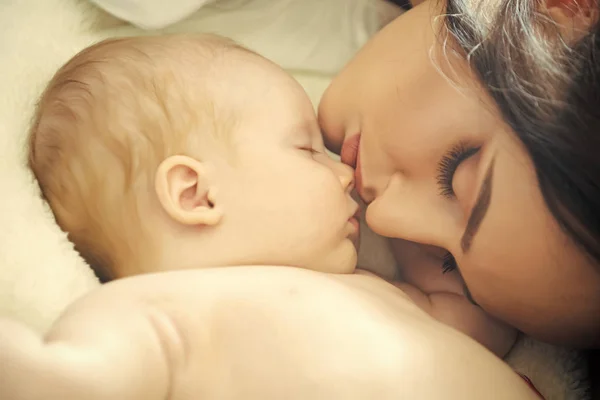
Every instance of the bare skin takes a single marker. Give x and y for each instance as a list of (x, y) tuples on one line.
[(249, 333), (486, 212), (185, 328)]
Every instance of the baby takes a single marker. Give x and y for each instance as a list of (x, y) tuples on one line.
[(170, 153), (179, 152)]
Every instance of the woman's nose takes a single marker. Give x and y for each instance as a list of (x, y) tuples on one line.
[(374, 169), (413, 213), (370, 184), (367, 195)]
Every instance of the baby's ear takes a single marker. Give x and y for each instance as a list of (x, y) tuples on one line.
[(575, 18), (187, 192)]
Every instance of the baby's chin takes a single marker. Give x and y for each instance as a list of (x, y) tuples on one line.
[(342, 260)]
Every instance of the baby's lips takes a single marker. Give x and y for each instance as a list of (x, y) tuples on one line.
[(358, 212)]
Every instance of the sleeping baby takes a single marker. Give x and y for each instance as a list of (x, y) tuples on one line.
[(185, 153)]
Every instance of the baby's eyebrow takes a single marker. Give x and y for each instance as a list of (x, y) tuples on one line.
[(479, 209)]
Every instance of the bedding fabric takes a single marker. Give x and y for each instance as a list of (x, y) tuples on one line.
[(150, 14), (40, 273)]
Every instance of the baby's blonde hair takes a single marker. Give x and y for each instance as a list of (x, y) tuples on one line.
[(103, 125)]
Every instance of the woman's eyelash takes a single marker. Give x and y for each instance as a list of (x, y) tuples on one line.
[(449, 263), (448, 165)]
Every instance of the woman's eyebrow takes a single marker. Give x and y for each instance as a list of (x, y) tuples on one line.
[(479, 209)]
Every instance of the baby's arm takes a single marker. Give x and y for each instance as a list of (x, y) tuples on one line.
[(249, 333), (110, 359), (456, 311), (442, 296)]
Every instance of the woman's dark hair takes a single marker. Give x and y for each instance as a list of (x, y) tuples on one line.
[(548, 92), (405, 4)]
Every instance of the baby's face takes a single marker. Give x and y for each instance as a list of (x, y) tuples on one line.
[(219, 150), (286, 201)]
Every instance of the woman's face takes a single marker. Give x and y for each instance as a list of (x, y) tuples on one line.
[(438, 167)]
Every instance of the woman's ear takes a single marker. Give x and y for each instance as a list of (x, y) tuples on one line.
[(574, 18), (187, 192)]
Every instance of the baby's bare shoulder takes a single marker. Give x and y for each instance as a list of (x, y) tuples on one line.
[(288, 322), (196, 297)]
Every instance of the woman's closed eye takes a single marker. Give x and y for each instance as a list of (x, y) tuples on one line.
[(447, 168), (449, 164), (449, 264)]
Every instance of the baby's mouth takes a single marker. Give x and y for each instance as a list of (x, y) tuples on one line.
[(354, 220)]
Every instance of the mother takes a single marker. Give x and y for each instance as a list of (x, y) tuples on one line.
[(479, 126)]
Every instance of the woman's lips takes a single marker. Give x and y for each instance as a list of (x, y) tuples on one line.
[(349, 151), (358, 176), (350, 155)]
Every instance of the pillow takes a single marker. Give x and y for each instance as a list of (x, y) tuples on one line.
[(150, 14)]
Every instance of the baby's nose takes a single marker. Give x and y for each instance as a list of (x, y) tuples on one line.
[(346, 176)]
